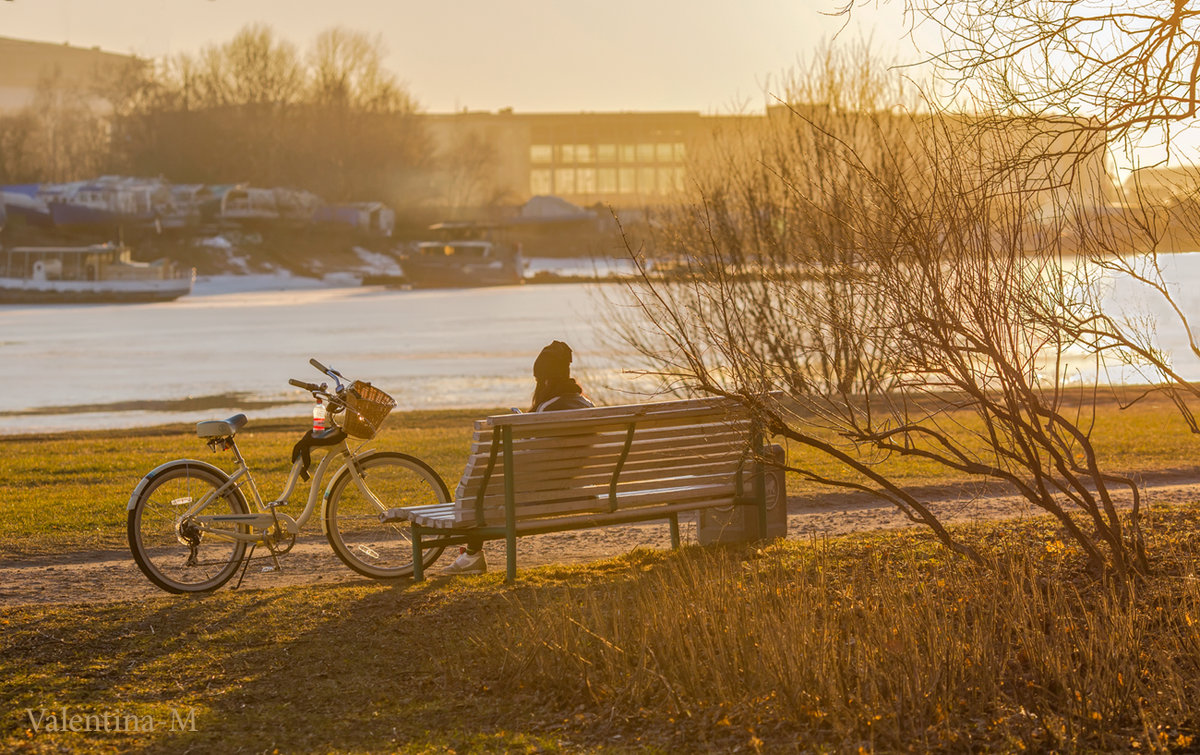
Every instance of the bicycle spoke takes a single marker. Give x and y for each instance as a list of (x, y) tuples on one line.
[(172, 550), (367, 545)]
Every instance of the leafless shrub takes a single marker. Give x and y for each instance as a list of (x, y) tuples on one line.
[(869, 283)]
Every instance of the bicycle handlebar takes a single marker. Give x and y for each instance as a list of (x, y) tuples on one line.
[(334, 397)]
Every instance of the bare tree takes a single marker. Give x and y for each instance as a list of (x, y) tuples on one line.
[(346, 68), (1131, 67), (469, 170), (58, 137), (252, 69), (333, 121), (1124, 78), (865, 280)]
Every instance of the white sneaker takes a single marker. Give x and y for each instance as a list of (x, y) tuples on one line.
[(467, 563)]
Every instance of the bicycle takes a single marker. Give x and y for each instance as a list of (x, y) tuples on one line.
[(189, 521)]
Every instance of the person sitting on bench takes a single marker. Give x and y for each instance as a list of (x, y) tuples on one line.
[(554, 390)]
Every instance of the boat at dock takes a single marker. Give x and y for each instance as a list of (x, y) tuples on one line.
[(88, 274), (462, 263)]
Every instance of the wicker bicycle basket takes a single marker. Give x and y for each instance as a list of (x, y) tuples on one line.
[(366, 409)]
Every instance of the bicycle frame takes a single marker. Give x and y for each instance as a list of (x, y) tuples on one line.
[(259, 523)]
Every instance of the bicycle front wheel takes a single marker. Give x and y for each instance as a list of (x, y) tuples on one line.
[(174, 551), (380, 550)]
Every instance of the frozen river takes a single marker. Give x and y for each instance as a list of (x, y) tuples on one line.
[(232, 345)]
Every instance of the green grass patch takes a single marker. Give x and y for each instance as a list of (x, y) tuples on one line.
[(68, 492), (883, 642)]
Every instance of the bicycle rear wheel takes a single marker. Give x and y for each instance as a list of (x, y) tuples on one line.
[(171, 550), (372, 548)]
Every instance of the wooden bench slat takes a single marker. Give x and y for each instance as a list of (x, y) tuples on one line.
[(432, 508), (617, 434), (662, 419), (678, 424), (624, 492), (597, 520), (628, 502), (587, 493), (549, 516), (656, 460), (587, 520), (550, 451), (642, 470), (646, 460), (562, 479), (608, 412), (549, 458)]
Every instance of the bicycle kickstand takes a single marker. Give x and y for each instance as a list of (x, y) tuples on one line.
[(245, 564)]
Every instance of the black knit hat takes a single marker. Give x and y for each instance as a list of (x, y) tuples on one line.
[(553, 362)]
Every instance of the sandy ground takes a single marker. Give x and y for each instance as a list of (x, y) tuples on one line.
[(107, 576)]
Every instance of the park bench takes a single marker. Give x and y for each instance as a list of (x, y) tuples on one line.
[(546, 472)]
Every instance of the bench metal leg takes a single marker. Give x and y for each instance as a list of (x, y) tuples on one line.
[(675, 531), (510, 557), (510, 507), (418, 567)]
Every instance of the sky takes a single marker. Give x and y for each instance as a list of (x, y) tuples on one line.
[(711, 56)]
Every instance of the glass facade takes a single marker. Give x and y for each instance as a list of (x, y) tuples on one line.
[(609, 157), (541, 182)]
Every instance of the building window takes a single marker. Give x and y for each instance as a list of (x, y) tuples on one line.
[(566, 153), (645, 153), (645, 181), (564, 181), (664, 153), (606, 153), (680, 152), (628, 180), (666, 181), (680, 179), (585, 181), (541, 153), (628, 153), (606, 180), (540, 182), (584, 153)]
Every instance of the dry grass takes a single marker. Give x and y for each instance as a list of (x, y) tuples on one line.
[(883, 643)]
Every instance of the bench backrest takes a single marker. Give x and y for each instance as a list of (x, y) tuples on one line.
[(604, 459)]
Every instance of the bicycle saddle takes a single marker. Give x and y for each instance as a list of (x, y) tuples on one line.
[(220, 428)]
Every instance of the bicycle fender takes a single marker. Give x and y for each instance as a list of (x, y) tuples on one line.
[(137, 491)]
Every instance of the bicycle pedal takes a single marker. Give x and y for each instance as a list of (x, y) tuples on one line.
[(273, 504)]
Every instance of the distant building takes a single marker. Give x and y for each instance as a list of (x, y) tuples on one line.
[(623, 159), (23, 64), (638, 159)]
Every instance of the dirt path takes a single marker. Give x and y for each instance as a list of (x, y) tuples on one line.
[(109, 576)]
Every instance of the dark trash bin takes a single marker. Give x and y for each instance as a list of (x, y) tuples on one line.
[(739, 523)]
